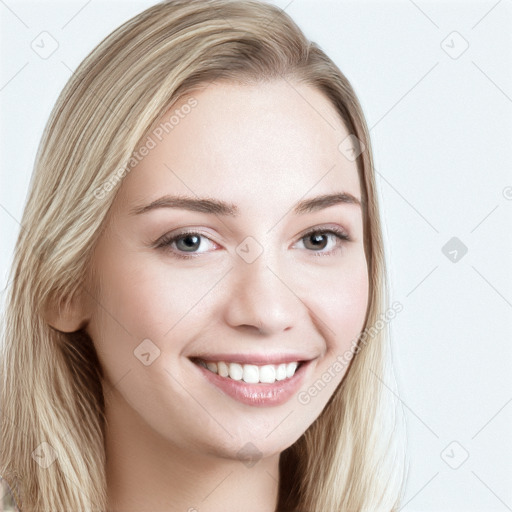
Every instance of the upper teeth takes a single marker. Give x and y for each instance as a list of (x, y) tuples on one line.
[(251, 373)]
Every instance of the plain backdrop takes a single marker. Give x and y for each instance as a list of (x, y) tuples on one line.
[(435, 83)]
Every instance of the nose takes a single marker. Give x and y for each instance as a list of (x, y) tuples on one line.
[(261, 298)]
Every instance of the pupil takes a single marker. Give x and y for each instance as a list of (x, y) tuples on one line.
[(188, 238), (317, 239)]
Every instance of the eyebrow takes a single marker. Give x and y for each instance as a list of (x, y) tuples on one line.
[(218, 207)]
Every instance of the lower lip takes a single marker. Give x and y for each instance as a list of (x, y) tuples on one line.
[(258, 395)]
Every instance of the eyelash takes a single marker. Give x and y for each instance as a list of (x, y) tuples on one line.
[(166, 241)]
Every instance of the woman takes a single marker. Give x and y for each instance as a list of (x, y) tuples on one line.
[(198, 305)]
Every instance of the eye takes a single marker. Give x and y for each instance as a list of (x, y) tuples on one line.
[(316, 235), (186, 241), (184, 245)]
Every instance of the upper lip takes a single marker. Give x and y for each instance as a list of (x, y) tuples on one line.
[(259, 359)]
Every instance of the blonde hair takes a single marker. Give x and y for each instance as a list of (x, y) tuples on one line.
[(51, 381)]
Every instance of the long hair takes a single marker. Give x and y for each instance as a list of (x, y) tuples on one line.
[(52, 417)]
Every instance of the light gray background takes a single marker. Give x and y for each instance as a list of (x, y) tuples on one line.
[(441, 125)]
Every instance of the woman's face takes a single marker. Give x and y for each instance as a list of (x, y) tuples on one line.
[(259, 281)]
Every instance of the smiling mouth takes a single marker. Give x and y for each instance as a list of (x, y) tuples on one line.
[(251, 373)]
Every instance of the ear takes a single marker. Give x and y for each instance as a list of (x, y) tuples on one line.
[(71, 315)]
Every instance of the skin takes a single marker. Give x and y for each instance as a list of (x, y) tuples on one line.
[(172, 437)]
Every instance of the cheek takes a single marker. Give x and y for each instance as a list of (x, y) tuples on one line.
[(134, 304), (145, 298), (342, 304), (342, 308)]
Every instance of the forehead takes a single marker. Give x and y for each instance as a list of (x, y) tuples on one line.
[(251, 145)]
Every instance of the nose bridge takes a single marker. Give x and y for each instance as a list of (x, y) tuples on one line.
[(261, 295)]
